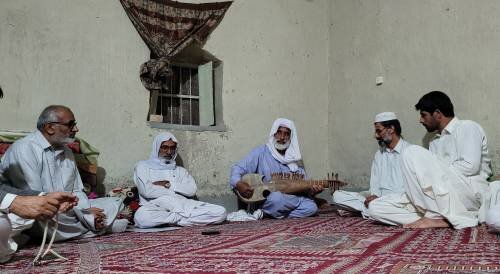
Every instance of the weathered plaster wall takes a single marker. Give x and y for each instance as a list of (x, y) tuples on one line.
[(86, 54), (417, 46)]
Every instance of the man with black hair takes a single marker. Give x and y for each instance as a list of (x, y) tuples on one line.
[(445, 185), (386, 180)]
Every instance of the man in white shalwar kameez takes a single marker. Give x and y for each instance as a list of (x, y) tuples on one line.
[(166, 191), (445, 185), (386, 180), (41, 161)]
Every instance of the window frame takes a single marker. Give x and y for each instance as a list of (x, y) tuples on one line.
[(217, 100)]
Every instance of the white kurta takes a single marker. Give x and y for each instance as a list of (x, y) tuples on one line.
[(493, 214), (448, 181), (32, 163), (7, 244), (493, 219), (385, 178), (160, 205)]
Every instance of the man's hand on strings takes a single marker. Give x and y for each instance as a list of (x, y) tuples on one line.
[(99, 217), (315, 189), (66, 200)]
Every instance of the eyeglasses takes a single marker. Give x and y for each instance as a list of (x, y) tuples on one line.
[(380, 130), (168, 148), (71, 124)]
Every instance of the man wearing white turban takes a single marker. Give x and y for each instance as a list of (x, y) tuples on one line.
[(281, 154), (166, 191), (386, 180)]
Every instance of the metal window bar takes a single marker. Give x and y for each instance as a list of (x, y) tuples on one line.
[(171, 90), (183, 94), (180, 91), (179, 96), (190, 100)]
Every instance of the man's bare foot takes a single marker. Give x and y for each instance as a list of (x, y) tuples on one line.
[(427, 223)]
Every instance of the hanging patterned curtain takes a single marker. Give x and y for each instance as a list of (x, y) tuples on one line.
[(168, 27)]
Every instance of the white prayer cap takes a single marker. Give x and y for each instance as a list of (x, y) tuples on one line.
[(385, 116)]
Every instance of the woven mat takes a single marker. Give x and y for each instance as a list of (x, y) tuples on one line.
[(323, 244)]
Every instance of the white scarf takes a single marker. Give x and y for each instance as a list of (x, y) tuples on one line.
[(155, 162), (292, 153)]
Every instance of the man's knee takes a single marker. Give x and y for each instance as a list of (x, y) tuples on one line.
[(218, 212), (310, 208), (5, 228), (275, 197), (493, 218), (306, 209), (338, 196), (375, 209), (141, 219)]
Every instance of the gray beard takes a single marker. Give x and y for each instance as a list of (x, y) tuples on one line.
[(279, 146), (64, 141), (384, 142), (165, 159)]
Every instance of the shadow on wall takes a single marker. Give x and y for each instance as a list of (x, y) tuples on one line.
[(100, 176), (427, 139), (179, 161)]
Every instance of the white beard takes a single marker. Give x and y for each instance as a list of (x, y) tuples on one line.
[(279, 146), (68, 140), (165, 159)]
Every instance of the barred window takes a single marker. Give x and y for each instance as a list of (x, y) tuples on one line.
[(189, 99)]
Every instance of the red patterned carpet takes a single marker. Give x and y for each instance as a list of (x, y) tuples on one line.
[(324, 244)]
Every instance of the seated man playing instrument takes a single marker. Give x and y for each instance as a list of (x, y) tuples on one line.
[(281, 154), (167, 192), (41, 161), (386, 180), (445, 185)]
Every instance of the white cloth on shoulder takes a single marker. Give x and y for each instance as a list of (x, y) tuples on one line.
[(243, 216)]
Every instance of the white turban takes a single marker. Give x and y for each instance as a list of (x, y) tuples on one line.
[(385, 116), (155, 162), (292, 153)]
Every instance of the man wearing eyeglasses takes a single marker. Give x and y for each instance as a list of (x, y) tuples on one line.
[(386, 180), (41, 161)]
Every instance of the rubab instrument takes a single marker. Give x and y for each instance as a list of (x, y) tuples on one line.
[(286, 183)]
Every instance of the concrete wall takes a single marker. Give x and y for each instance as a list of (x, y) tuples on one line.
[(86, 54), (312, 61), (417, 46)]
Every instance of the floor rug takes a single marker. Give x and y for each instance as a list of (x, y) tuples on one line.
[(322, 244)]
